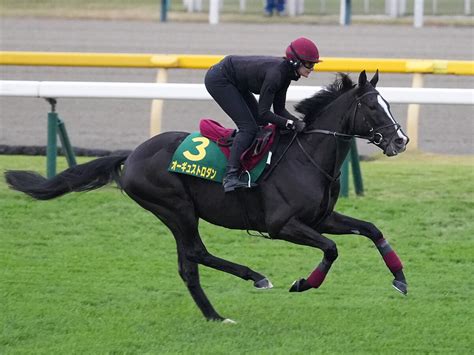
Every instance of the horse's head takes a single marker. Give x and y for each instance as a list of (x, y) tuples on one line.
[(372, 118), (363, 111)]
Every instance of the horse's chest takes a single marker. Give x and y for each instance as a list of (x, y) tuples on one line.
[(308, 203), (292, 201)]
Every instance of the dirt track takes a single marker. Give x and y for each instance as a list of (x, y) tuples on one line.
[(123, 124)]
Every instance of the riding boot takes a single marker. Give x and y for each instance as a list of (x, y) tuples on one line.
[(232, 179)]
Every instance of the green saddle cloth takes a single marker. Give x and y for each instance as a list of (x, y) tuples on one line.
[(200, 157)]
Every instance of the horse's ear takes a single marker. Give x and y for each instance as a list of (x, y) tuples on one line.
[(375, 79), (362, 78)]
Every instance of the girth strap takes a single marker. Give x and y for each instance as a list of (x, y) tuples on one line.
[(246, 217)]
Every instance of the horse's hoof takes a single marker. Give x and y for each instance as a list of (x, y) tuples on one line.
[(400, 286), (300, 286), (222, 320), (263, 284), (229, 321)]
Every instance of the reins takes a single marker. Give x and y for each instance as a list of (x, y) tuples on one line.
[(333, 178), (267, 174), (316, 165)]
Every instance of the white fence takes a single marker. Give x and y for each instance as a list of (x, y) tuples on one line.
[(393, 8), (170, 91)]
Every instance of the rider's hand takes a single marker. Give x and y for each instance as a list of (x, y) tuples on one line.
[(300, 126), (296, 125)]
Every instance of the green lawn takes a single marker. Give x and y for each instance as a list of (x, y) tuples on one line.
[(94, 273)]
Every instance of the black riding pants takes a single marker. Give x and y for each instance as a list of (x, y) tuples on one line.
[(241, 107)]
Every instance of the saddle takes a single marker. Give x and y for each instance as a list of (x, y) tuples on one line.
[(224, 138)]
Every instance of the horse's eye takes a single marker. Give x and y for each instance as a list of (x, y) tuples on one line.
[(372, 106)]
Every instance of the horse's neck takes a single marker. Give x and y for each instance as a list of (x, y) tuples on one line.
[(335, 116), (333, 119), (342, 151)]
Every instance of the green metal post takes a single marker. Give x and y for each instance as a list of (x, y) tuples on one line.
[(356, 172), (344, 192), (347, 19), (66, 143), (52, 146), (164, 10)]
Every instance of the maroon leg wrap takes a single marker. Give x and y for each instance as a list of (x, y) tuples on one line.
[(317, 276), (391, 258), (392, 261)]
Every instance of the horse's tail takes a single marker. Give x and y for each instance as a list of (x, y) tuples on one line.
[(84, 177)]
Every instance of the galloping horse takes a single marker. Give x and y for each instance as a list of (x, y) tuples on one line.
[(294, 201)]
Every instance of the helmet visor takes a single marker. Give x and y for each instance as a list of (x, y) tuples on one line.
[(308, 65)]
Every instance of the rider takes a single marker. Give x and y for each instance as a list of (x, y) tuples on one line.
[(232, 83)]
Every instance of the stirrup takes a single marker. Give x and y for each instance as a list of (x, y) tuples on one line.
[(233, 182), (249, 182)]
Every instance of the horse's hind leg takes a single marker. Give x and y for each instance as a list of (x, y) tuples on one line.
[(196, 251), (189, 272), (337, 223), (183, 223)]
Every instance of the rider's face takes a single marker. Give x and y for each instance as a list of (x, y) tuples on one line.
[(305, 70)]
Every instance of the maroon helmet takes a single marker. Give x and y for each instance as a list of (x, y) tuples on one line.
[(303, 50)]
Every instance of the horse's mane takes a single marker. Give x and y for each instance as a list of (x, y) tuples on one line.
[(313, 106)]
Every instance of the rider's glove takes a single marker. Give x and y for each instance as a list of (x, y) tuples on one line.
[(297, 125)]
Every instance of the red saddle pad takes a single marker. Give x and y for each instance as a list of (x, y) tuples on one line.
[(223, 136)]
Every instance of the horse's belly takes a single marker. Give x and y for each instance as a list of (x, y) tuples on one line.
[(237, 210)]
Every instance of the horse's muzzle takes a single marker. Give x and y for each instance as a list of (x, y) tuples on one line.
[(396, 146)]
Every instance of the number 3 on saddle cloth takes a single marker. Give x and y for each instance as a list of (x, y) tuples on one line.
[(204, 154)]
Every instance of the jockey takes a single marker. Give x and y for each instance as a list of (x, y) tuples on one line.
[(232, 83)]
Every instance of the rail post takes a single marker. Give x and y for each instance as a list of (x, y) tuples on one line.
[(345, 12), (344, 192), (413, 115), (214, 9), (52, 144), (157, 105), (164, 10), (418, 14), (56, 127), (66, 143), (356, 172), (352, 159)]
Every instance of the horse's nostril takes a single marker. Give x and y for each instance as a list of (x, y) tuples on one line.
[(399, 141)]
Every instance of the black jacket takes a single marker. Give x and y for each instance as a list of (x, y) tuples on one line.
[(267, 76)]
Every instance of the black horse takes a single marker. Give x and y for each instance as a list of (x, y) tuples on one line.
[(294, 201)]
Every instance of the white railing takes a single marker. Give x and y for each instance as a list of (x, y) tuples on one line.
[(170, 91)]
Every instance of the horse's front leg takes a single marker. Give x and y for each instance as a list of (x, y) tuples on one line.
[(337, 223), (296, 232)]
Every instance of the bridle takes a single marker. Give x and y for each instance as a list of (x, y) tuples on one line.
[(375, 136)]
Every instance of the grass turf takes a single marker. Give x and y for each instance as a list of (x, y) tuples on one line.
[(94, 273)]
